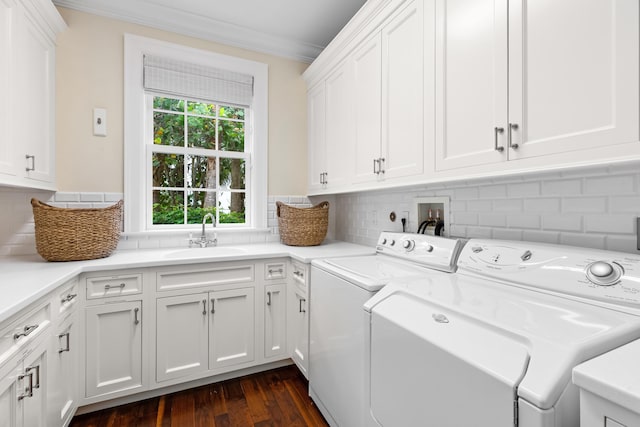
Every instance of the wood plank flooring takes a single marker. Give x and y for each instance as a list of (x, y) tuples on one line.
[(273, 398)]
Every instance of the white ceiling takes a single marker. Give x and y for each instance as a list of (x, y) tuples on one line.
[(297, 29)]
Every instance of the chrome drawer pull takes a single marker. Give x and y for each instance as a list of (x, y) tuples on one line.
[(27, 330), (204, 307), (496, 131), (67, 348), (37, 369), (107, 287), (269, 298), (213, 306), (136, 320), (28, 391), (302, 310), (33, 162), (512, 127), (68, 298)]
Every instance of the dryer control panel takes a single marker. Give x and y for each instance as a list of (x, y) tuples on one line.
[(435, 252), (611, 277)]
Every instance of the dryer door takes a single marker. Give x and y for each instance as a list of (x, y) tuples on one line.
[(433, 367)]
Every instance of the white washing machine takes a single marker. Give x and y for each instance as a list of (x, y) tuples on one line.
[(494, 345), (338, 289)]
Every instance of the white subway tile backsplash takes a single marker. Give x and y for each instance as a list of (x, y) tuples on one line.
[(507, 234), (479, 205), (508, 205), (479, 232), (584, 204), (621, 243), (492, 220), (614, 223), (541, 236), (625, 204), (92, 197), (63, 197), (493, 191), (594, 241), (607, 185), (563, 222), (464, 218), (526, 189), (465, 193), (542, 205), (523, 221), (571, 187)]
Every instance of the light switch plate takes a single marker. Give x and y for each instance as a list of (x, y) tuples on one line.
[(99, 122)]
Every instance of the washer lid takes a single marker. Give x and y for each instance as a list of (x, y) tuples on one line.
[(370, 272), (561, 333)]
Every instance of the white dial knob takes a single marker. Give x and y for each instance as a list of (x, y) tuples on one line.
[(604, 273), (408, 245)]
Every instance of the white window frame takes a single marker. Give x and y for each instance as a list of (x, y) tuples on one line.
[(136, 169)]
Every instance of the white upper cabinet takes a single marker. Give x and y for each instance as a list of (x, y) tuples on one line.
[(525, 79), (316, 143), (573, 75), (27, 92), (402, 150)]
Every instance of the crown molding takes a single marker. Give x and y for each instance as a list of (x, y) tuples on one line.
[(202, 27)]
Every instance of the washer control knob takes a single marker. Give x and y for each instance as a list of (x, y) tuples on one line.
[(408, 245), (601, 269), (603, 273), (393, 242), (384, 241), (429, 248), (476, 249)]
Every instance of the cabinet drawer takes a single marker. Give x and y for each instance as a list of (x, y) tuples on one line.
[(223, 275), (68, 297), (300, 276), (275, 271), (114, 286), (23, 330)]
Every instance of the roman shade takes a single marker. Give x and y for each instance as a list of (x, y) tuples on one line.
[(197, 81)]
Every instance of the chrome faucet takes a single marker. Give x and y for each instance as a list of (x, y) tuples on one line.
[(203, 241)]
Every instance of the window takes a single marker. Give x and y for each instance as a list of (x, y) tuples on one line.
[(195, 138), (198, 162)]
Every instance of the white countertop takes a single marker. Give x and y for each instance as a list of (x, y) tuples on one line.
[(24, 279), (614, 376)]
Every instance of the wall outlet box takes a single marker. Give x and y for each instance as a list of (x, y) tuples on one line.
[(100, 122)]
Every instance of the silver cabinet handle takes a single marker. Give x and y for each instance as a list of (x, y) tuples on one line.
[(269, 298), (496, 132), (204, 307), (68, 298), (67, 348), (302, 310), (27, 330), (381, 168), (213, 306), (121, 286), (28, 391), (322, 178), (512, 127), (136, 320), (279, 270), (37, 369), (33, 163)]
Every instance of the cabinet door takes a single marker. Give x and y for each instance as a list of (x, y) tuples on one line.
[(35, 128), (232, 327), (471, 82), (63, 374), (275, 321), (32, 409), (182, 324), (8, 394), (402, 97), (573, 75), (367, 87), (7, 146), (339, 127), (300, 325), (114, 348), (316, 134)]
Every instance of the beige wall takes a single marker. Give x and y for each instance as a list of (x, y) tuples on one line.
[(89, 67)]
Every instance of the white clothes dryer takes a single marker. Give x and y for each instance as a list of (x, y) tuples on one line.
[(494, 345), (338, 289)]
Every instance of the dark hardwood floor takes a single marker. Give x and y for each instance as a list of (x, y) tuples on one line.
[(274, 398)]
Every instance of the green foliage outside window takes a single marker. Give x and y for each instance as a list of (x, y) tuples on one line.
[(187, 186)]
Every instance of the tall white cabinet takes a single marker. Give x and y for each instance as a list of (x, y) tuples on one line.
[(528, 79), (28, 30)]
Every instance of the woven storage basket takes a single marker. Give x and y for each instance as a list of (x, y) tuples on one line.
[(69, 234), (303, 226)]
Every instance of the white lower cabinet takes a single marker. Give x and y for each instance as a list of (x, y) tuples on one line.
[(24, 388), (63, 373), (204, 331), (275, 320), (298, 324), (113, 348)]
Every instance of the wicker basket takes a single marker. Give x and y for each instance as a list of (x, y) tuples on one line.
[(303, 226), (69, 234)]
